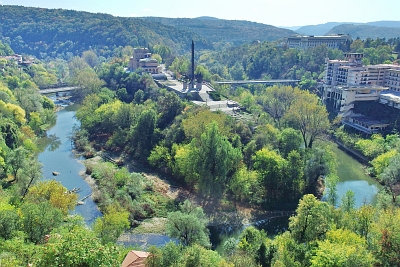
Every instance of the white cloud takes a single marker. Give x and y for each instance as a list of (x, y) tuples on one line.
[(147, 10)]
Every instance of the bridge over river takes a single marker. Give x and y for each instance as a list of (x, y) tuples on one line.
[(269, 82), (57, 90)]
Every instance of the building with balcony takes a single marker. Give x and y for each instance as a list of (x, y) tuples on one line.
[(305, 42), (349, 81)]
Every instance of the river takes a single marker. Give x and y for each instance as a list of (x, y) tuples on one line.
[(352, 176), (57, 156)]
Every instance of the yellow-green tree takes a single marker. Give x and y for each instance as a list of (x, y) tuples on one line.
[(55, 193), (308, 116), (114, 221), (342, 248)]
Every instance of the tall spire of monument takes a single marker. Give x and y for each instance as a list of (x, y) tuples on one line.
[(192, 74)]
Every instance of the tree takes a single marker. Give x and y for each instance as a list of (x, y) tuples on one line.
[(270, 167), (10, 222), (39, 219), (311, 221), (277, 100), (214, 158), (168, 106), (78, 246), (188, 225), (330, 191), (16, 160), (90, 58), (289, 139), (309, 117), (342, 248), (141, 134), (391, 177), (55, 193), (114, 221)]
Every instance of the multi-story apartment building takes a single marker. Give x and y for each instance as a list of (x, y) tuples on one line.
[(348, 81), (142, 59), (305, 42)]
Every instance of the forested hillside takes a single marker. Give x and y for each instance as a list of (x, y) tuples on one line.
[(225, 31), (366, 31), (320, 29), (65, 33), (57, 32)]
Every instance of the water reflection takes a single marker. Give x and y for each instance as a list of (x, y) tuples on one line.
[(57, 156)]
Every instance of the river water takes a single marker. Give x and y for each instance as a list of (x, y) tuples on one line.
[(352, 176), (57, 156)]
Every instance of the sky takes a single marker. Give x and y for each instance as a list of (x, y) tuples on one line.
[(272, 12)]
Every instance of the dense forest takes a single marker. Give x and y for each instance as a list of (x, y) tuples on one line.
[(66, 33), (222, 32), (275, 157), (366, 31)]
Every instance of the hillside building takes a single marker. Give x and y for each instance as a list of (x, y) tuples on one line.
[(305, 42), (142, 59), (348, 81)]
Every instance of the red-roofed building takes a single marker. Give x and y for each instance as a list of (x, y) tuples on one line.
[(135, 259)]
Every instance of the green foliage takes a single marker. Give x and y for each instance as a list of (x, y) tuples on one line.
[(309, 117), (112, 224), (78, 247), (312, 220), (342, 248), (141, 134), (289, 140), (213, 158), (391, 177), (39, 220), (189, 225), (77, 32)]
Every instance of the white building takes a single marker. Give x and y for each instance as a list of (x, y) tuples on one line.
[(348, 81), (305, 42)]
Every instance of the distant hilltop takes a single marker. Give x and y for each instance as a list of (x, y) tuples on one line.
[(375, 29)]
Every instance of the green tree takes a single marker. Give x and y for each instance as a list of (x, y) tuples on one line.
[(78, 246), (309, 117), (391, 177), (214, 157), (188, 225), (289, 139), (270, 167), (311, 221), (277, 100), (90, 58), (342, 248), (112, 224), (39, 219), (141, 134), (10, 222), (16, 161)]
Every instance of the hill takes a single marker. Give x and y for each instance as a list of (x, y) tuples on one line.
[(215, 30), (53, 32), (385, 23), (326, 28), (319, 29), (366, 31)]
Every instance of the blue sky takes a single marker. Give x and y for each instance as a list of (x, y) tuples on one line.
[(273, 12)]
